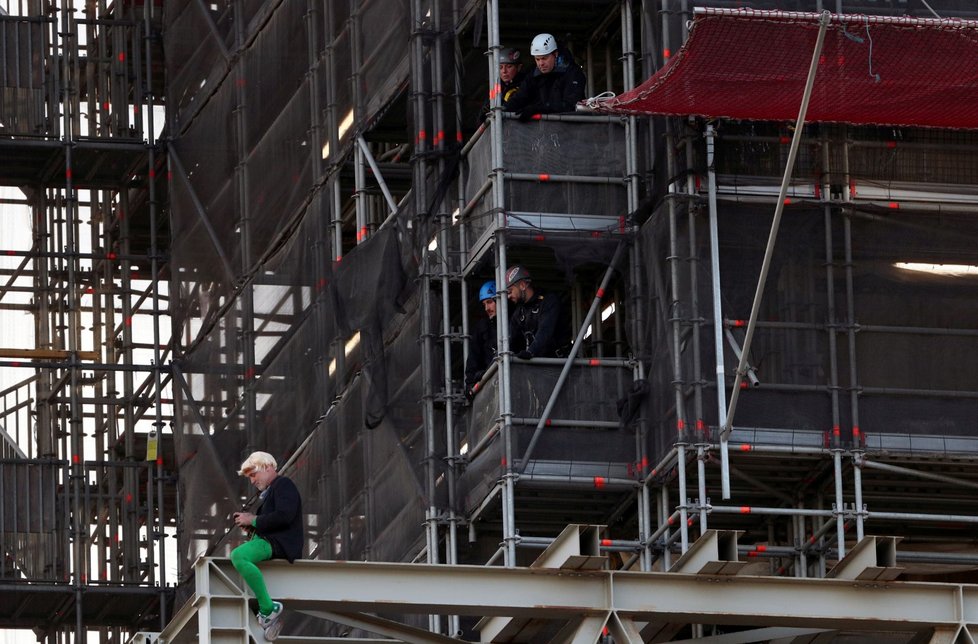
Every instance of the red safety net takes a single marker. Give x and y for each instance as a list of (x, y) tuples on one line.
[(753, 65)]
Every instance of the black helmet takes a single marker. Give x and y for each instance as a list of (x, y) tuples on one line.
[(509, 56), (515, 274)]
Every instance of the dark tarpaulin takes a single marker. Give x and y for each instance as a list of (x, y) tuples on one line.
[(752, 65)]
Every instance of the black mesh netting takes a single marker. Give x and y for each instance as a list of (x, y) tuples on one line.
[(907, 335)]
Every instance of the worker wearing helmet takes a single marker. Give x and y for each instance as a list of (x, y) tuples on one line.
[(511, 74), (482, 346), (556, 85), (535, 327)]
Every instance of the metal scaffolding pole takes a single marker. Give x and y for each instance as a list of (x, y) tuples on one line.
[(678, 382)]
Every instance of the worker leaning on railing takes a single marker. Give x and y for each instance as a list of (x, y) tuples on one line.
[(556, 85)]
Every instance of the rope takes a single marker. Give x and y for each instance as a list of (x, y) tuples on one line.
[(591, 104)]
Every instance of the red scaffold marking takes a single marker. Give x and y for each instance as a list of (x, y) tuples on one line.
[(599, 482)]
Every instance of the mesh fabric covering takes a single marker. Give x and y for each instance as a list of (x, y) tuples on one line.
[(905, 324), (748, 64)]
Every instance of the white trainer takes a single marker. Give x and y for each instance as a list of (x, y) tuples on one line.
[(272, 623)]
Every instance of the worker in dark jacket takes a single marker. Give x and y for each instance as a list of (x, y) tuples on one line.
[(536, 327), (511, 75), (276, 533), (482, 347), (556, 85)]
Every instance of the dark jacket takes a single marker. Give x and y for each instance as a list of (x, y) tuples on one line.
[(538, 327), (482, 351), (558, 91), (279, 519), (506, 92)]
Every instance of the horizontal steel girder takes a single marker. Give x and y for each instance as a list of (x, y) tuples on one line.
[(538, 592)]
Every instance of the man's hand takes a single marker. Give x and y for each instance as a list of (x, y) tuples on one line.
[(243, 519), (528, 112)]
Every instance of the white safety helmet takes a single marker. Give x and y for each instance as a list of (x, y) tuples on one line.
[(542, 45)]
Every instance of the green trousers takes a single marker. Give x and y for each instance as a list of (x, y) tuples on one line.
[(244, 558)]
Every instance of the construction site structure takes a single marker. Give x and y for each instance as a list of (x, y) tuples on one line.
[(262, 226), (88, 506)]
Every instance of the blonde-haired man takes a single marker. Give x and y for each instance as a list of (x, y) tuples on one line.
[(276, 533)]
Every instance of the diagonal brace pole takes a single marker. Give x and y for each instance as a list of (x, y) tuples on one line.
[(569, 362), (823, 23)]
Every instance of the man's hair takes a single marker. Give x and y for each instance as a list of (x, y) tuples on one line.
[(257, 461)]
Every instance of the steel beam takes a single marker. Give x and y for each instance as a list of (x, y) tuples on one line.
[(573, 600)]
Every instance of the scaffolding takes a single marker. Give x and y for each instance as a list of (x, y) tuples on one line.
[(86, 467), (332, 207)]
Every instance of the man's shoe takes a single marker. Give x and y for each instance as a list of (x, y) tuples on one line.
[(272, 623)]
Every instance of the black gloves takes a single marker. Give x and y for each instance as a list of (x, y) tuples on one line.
[(528, 112), (524, 355)]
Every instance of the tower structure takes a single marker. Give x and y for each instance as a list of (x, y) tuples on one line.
[(333, 204)]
